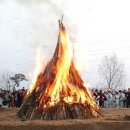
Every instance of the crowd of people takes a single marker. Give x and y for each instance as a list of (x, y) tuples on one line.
[(110, 99), (105, 99), (12, 99)]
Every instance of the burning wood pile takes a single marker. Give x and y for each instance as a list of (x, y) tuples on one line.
[(59, 92)]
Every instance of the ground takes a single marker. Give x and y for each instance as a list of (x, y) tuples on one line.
[(112, 119)]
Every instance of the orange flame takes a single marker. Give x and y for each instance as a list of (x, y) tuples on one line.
[(65, 85)]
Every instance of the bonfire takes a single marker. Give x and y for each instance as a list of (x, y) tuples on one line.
[(59, 92)]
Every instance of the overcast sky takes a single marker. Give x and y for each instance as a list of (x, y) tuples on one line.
[(100, 27)]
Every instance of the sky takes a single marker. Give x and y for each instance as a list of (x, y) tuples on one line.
[(98, 28)]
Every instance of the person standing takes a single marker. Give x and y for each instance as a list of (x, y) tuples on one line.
[(117, 99), (121, 98), (7, 99), (101, 98), (105, 99), (110, 99), (1, 100)]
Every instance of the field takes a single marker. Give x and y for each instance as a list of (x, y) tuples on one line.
[(112, 119)]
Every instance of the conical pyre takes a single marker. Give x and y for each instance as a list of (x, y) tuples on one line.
[(59, 92)]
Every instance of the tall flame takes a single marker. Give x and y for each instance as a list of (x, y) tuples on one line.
[(60, 81)]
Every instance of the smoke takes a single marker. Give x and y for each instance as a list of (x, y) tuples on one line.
[(34, 23), (40, 24), (41, 19)]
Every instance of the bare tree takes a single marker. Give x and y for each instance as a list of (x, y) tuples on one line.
[(112, 72), (5, 82)]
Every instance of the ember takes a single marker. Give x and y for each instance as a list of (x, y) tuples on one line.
[(59, 92)]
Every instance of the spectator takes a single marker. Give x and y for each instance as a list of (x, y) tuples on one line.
[(121, 98), (117, 100), (7, 99), (11, 100), (1, 100), (105, 100), (101, 98), (110, 99), (95, 95)]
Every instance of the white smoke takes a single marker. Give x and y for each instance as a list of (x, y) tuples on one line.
[(34, 23)]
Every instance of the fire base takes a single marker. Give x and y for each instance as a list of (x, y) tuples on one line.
[(57, 112)]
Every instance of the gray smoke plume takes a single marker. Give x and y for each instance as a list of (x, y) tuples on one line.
[(37, 23)]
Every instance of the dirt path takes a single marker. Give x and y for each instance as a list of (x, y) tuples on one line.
[(112, 119)]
